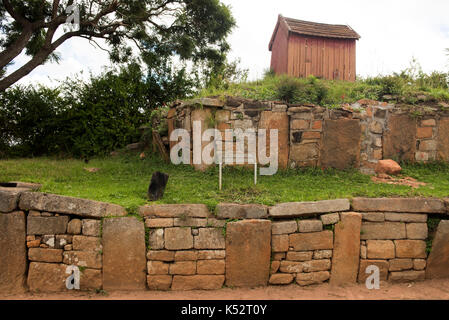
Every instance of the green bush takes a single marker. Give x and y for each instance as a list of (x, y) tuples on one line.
[(86, 118), (30, 121), (105, 113), (288, 88), (389, 85), (296, 90)]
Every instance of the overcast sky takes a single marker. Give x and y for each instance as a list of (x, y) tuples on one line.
[(393, 31)]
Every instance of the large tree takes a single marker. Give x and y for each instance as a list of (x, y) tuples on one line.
[(193, 30)]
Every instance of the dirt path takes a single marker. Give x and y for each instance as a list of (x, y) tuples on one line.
[(427, 290)]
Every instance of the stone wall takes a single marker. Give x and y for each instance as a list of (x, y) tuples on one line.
[(358, 135), (187, 247), (185, 251)]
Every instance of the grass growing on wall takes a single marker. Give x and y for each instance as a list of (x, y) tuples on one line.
[(124, 180), (405, 88)]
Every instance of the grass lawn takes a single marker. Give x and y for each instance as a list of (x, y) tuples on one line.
[(124, 180)]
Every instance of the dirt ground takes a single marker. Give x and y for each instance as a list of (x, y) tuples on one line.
[(426, 290)]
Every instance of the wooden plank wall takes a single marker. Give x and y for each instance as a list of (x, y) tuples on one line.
[(279, 56), (327, 58)]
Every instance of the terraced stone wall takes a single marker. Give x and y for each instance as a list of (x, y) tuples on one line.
[(44, 237), (355, 136)]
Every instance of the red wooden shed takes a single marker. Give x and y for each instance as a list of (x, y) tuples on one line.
[(301, 48)]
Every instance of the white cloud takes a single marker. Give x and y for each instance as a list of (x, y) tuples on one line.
[(392, 33)]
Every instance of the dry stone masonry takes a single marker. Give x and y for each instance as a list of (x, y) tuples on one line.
[(187, 247), (355, 136)]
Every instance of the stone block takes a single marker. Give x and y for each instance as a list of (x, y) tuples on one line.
[(279, 121), (175, 211), (87, 259), (210, 238), (281, 278), (215, 223), (275, 264), (91, 227), (408, 205), (291, 266), (407, 276), (300, 209), (428, 145), (322, 254), (317, 265), (156, 239), (417, 231), (47, 225), (410, 249), (406, 217), (373, 216), (424, 132), (401, 264), (211, 254), (399, 140), (186, 255), (380, 249), (284, 227), (428, 123), (248, 253), (47, 277), (159, 222), (296, 124), (383, 231), (307, 226), (341, 143), (419, 264), (183, 268), (45, 255), (161, 255), (443, 139), (299, 256), (307, 279), (159, 282), (74, 226), (329, 219), (279, 243), (84, 243), (157, 268), (9, 199), (389, 167), (91, 279), (68, 205), (383, 266), (211, 267), (312, 241), (13, 261), (208, 102), (438, 261), (178, 238), (190, 222), (346, 255), (278, 256), (198, 282), (124, 254)]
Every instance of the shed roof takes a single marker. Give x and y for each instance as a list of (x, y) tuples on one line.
[(315, 29)]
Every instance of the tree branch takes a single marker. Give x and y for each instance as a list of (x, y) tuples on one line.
[(9, 8), (12, 51), (37, 60)]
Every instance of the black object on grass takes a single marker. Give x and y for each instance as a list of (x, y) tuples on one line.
[(8, 184), (157, 186)]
